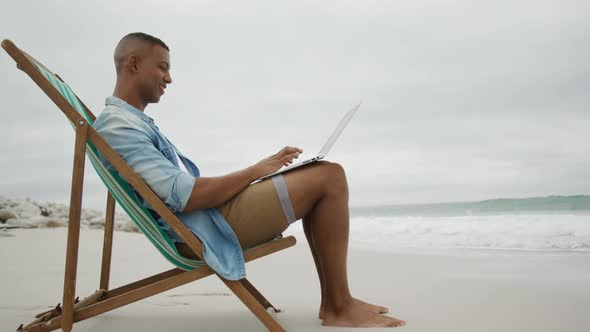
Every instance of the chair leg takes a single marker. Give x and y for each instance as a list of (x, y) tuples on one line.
[(105, 270), (74, 227), (259, 297), (253, 304)]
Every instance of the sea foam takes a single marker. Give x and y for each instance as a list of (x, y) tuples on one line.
[(520, 231)]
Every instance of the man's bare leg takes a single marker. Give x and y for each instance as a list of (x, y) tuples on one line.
[(307, 221), (319, 193), (307, 230)]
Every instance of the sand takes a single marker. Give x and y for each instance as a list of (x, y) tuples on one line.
[(433, 290)]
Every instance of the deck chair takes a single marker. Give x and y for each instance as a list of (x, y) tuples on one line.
[(88, 143)]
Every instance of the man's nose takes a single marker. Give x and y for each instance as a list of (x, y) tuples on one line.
[(168, 78)]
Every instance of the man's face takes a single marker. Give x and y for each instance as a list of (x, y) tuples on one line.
[(154, 74)]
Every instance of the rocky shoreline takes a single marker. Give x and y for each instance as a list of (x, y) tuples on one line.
[(27, 213)]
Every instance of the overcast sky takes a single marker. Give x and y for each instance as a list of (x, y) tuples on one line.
[(463, 100)]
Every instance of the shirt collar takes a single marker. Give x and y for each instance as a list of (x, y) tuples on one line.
[(118, 102)]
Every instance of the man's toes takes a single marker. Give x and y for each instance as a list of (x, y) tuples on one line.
[(386, 321), (382, 321), (393, 322)]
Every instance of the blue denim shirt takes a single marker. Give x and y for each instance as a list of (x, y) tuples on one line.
[(151, 155)]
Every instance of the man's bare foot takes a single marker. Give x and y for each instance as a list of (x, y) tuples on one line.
[(368, 306), (357, 315)]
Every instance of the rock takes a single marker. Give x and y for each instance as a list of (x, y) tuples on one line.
[(5, 215), (127, 227), (54, 224), (27, 213), (44, 211), (96, 221)]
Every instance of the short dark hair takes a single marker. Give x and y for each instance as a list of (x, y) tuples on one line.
[(123, 49), (145, 38)]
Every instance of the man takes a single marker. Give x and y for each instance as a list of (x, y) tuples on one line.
[(226, 212)]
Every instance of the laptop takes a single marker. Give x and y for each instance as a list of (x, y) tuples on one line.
[(324, 151)]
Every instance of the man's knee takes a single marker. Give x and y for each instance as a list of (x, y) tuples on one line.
[(335, 169), (334, 175)]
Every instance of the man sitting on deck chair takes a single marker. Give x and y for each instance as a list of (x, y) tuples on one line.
[(226, 212)]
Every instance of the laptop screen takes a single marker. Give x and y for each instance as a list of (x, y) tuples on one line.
[(338, 130)]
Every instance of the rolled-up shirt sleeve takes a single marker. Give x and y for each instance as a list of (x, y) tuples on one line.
[(167, 180)]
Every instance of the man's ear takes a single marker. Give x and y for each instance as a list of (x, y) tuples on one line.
[(133, 63)]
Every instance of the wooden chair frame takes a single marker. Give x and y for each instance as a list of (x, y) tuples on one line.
[(105, 299)]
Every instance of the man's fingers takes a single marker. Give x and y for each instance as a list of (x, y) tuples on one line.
[(289, 150), (291, 156), (286, 160), (286, 155)]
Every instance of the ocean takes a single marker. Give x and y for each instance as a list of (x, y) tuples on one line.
[(553, 223)]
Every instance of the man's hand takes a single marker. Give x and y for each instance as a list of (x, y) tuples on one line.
[(213, 191), (276, 161)]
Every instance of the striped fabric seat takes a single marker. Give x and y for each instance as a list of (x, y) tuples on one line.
[(120, 189)]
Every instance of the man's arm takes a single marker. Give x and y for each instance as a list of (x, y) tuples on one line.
[(214, 191), (131, 138)]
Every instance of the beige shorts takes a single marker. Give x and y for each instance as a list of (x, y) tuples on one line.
[(257, 214)]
